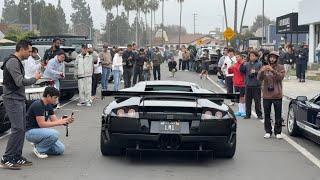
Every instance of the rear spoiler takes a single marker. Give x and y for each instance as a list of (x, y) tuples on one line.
[(210, 96)]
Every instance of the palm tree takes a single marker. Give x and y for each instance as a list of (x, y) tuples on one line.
[(180, 1), (153, 6), (128, 6), (107, 5), (138, 4)]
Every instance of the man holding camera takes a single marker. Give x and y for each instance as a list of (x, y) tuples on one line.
[(272, 76), (253, 85), (40, 119)]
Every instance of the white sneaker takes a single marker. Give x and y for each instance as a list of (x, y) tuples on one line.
[(279, 136), (38, 154), (81, 104), (267, 135), (231, 104), (88, 104)]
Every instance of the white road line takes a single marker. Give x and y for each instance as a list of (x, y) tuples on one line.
[(298, 147), (69, 102)]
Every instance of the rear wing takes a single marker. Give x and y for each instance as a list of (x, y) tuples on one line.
[(189, 95)]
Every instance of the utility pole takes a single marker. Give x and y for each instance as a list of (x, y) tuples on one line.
[(162, 25), (263, 29), (235, 16), (30, 14), (194, 23)]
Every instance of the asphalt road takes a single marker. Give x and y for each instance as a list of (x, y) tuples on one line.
[(256, 158)]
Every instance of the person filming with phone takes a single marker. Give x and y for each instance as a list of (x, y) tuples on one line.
[(40, 119)]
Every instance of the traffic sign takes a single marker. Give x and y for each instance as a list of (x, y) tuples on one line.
[(200, 42), (229, 34)]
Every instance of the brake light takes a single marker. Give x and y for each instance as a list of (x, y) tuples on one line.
[(209, 115), (120, 112)]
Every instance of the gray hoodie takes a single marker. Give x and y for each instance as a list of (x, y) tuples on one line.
[(13, 67), (251, 69)]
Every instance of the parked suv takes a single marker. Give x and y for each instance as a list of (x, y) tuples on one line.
[(68, 85)]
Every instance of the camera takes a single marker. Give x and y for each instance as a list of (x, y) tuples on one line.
[(270, 88)]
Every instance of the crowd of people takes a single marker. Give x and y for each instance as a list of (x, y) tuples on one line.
[(257, 75)]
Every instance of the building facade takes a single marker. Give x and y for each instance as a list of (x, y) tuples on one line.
[(309, 15)]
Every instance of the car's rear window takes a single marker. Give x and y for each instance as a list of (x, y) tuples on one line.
[(168, 88)]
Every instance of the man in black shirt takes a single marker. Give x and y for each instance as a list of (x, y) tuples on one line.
[(128, 62), (40, 117), (52, 52)]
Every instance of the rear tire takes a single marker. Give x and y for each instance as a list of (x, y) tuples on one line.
[(292, 127), (106, 147), (229, 150)]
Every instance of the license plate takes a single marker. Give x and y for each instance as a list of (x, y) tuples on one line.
[(170, 126), (34, 96)]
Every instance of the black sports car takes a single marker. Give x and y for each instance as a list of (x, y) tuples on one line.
[(168, 116), (304, 117)]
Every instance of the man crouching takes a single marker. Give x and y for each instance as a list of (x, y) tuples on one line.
[(40, 119)]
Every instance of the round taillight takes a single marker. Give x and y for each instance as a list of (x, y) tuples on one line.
[(131, 112), (120, 112), (207, 115), (218, 115)]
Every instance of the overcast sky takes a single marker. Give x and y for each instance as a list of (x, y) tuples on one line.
[(209, 12)]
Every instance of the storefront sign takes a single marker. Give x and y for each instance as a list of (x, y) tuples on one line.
[(289, 24)]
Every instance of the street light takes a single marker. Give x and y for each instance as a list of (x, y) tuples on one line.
[(89, 27)]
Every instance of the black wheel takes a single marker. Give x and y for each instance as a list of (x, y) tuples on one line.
[(228, 150), (292, 126), (106, 147), (66, 95)]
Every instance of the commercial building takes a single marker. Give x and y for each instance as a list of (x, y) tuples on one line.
[(309, 15)]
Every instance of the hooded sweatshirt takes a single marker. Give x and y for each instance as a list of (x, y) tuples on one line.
[(272, 82)]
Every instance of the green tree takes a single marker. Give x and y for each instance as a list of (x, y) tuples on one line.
[(61, 19), (81, 18), (258, 23), (49, 15), (16, 34), (9, 12)]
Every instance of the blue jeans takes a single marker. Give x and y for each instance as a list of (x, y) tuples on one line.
[(116, 79), (46, 140), (105, 77), (57, 84)]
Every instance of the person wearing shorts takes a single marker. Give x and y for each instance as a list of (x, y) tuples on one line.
[(239, 83)]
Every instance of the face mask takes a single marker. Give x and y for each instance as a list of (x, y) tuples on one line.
[(57, 46)]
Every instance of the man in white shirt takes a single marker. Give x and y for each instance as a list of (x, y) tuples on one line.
[(229, 61), (31, 65)]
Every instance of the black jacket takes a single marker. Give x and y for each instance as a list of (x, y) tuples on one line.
[(251, 71), (128, 63)]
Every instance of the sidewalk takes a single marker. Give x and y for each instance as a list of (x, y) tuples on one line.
[(292, 88)]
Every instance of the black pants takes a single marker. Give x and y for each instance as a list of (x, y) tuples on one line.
[(253, 93), (16, 111), (180, 64), (95, 81), (185, 65), (229, 84), (156, 70), (301, 70), (127, 75), (277, 105), (137, 73)]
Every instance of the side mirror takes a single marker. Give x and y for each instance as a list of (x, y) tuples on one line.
[(302, 98)]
